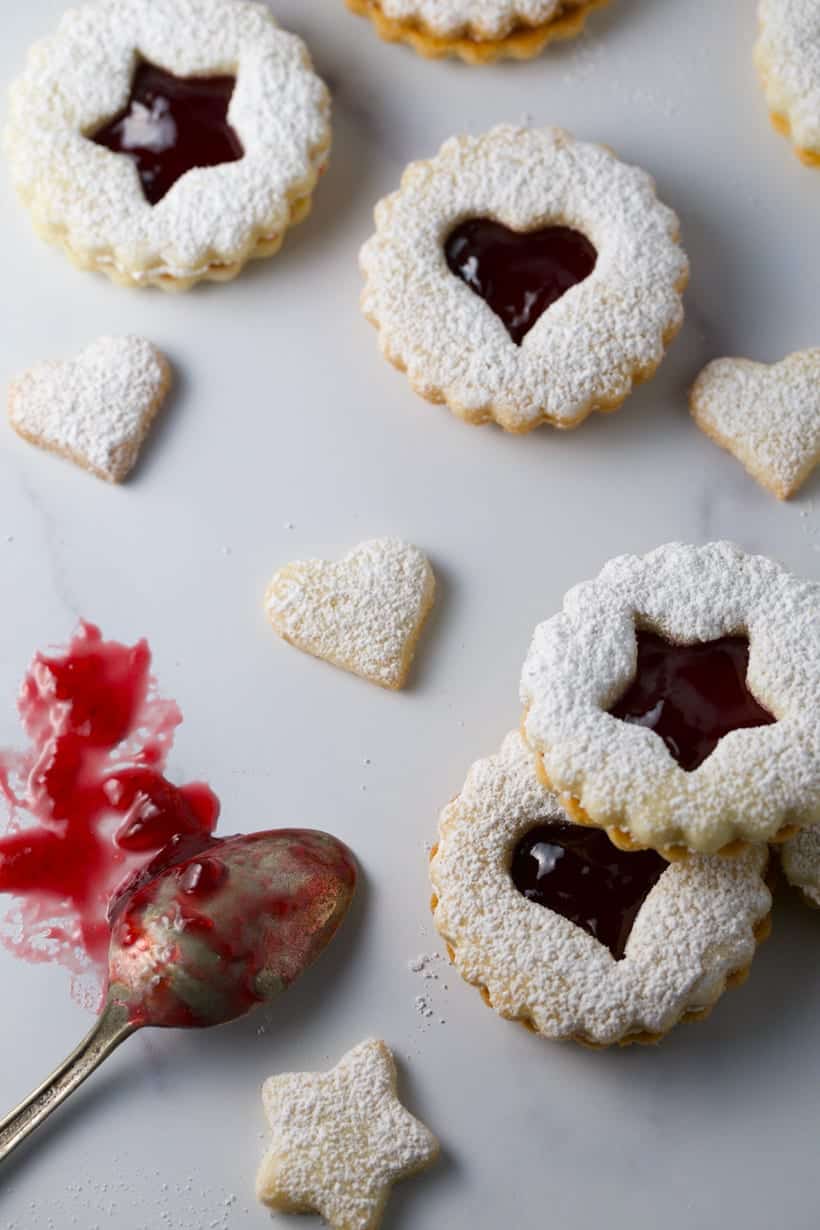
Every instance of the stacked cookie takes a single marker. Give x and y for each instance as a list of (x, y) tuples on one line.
[(603, 877), (476, 32)]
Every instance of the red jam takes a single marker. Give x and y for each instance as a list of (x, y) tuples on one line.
[(171, 125), (577, 872), (88, 800), (212, 927), (519, 274), (691, 695)]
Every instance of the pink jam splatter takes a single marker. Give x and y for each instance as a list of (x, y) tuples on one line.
[(88, 803)]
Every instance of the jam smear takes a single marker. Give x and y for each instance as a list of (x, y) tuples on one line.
[(577, 872), (691, 695), (88, 802), (519, 274), (171, 125)]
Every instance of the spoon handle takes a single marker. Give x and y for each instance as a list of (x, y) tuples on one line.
[(112, 1028)]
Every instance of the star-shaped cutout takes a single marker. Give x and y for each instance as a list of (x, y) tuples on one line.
[(172, 125), (340, 1140)]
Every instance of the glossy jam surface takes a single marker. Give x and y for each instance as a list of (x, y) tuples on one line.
[(578, 873), (171, 125), (691, 695), (519, 274), (214, 926), (87, 803)]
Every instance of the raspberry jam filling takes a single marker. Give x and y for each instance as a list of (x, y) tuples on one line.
[(88, 803), (518, 274), (691, 695), (171, 125), (577, 872)]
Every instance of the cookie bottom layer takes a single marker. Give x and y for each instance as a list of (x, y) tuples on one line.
[(166, 279), (735, 978), (522, 43), (780, 122)]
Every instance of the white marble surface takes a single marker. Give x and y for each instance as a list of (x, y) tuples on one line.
[(290, 436)]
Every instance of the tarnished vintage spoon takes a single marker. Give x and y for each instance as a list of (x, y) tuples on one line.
[(207, 931)]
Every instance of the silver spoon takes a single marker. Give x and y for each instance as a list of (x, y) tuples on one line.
[(199, 938)]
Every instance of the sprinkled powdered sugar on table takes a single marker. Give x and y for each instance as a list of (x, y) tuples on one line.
[(588, 348), (90, 200), (364, 613), (695, 929), (756, 781)]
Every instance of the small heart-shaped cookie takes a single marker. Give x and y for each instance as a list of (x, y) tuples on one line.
[(95, 409), (364, 613), (768, 417)]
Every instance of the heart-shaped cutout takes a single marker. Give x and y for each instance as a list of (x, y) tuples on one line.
[(691, 695), (364, 613), (580, 874), (519, 274), (768, 417), (96, 409)]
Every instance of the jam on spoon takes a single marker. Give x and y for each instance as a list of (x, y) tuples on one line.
[(171, 125), (578, 873), (691, 695), (518, 274), (204, 934), (88, 799)]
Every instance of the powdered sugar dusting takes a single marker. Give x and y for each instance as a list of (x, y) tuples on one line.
[(476, 18), (756, 780), (788, 57), (340, 1139), (95, 409), (363, 613), (695, 928), (586, 351), (769, 417), (800, 859), (90, 199)]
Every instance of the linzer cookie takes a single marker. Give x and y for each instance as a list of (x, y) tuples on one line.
[(477, 31), (767, 416), (97, 409), (524, 277), (163, 143), (800, 860), (340, 1140), (787, 55), (673, 702), (561, 930)]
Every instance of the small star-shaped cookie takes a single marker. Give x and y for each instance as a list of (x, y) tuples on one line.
[(340, 1140)]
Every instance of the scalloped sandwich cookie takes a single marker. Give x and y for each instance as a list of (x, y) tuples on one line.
[(787, 55), (674, 701), (478, 31), (800, 860), (524, 277), (573, 937), (163, 142)]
